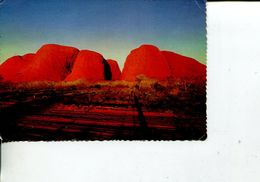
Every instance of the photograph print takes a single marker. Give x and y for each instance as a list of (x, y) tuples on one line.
[(102, 70)]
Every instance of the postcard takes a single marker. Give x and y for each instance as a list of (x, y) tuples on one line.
[(103, 70)]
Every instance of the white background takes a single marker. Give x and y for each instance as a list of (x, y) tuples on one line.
[(231, 152)]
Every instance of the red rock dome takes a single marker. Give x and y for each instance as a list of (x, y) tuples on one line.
[(51, 63), (57, 63), (149, 61), (115, 70), (89, 65), (146, 60), (185, 68), (13, 68)]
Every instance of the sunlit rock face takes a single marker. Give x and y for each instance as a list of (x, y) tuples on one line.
[(9, 70), (88, 66), (51, 63), (185, 68), (149, 61), (12, 70), (54, 62), (146, 60)]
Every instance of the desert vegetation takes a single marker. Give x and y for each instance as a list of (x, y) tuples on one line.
[(169, 109)]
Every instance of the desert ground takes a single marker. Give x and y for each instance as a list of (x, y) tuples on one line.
[(142, 110)]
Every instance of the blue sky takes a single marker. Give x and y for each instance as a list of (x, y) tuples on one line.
[(110, 27)]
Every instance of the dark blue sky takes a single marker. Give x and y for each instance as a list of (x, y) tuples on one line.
[(111, 27)]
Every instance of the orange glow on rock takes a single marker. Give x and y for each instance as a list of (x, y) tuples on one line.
[(88, 66), (146, 60), (149, 61), (54, 62), (51, 63)]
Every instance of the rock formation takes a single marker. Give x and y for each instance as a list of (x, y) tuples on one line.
[(185, 68), (89, 66), (149, 61), (115, 70), (146, 60), (52, 62), (12, 70)]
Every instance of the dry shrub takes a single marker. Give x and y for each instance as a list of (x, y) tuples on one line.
[(175, 91), (122, 83), (144, 82), (116, 83), (35, 85), (77, 84)]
